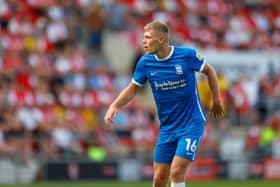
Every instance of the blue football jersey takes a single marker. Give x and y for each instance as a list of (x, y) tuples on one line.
[(174, 86)]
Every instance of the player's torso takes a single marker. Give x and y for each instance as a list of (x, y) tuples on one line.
[(170, 79)]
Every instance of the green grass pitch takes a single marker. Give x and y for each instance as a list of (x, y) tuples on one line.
[(217, 183)]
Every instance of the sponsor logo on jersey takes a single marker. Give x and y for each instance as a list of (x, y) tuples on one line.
[(179, 69)]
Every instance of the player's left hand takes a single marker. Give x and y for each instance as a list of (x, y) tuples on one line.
[(217, 110)]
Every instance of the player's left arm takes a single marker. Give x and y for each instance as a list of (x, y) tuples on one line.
[(217, 109)]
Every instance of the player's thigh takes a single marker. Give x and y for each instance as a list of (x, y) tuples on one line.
[(178, 168), (161, 170), (189, 141), (180, 163)]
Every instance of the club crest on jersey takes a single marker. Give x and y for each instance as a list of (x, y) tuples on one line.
[(179, 69), (198, 56)]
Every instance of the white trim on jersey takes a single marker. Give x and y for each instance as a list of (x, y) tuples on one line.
[(167, 57), (137, 83), (198, 103), (202, 66)]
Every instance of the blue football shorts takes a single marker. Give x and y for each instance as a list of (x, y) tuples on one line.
[(184, 144)]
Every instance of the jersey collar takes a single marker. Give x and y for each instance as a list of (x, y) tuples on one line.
[(167, 57)]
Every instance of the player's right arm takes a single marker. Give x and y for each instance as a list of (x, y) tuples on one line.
[(123, 98)]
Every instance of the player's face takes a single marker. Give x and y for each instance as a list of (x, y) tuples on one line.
[(151, 42)]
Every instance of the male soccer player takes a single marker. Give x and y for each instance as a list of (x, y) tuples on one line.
[(171, 73)]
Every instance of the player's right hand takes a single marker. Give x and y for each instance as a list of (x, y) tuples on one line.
[(112, 112)]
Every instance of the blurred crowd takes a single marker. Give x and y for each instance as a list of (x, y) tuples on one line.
[(56, 82)]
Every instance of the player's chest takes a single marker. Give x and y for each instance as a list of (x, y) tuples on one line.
[(166, 71)]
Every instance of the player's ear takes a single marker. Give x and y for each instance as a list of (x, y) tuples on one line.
[(161, 39)]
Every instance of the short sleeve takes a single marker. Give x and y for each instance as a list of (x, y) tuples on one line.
[(197, 61), (139, 75)]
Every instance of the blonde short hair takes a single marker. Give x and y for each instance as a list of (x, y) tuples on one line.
[(157, 26)]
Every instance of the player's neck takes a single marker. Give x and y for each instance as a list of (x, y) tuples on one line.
[(164, 51)]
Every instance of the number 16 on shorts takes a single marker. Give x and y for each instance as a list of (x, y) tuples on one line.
[(191, 146)]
